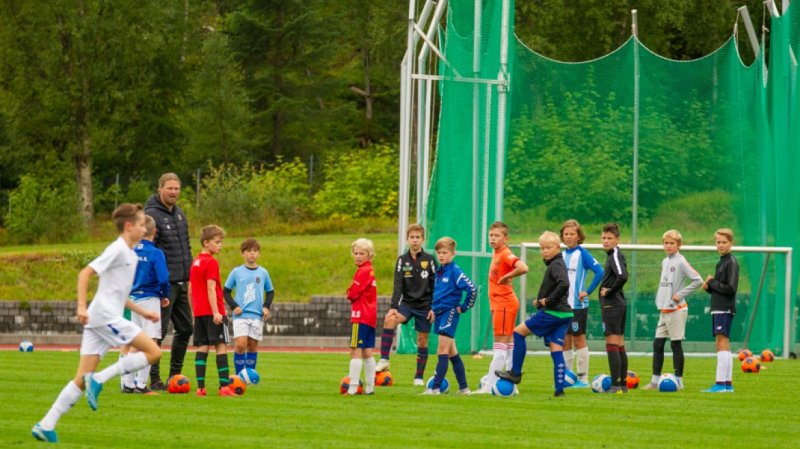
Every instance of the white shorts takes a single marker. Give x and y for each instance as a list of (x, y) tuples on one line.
[(248, 327), (153, 304), (98, 340), (672, 325)]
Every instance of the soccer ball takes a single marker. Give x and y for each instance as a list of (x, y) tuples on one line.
[(601, 383), (570, 378), (26, 346), (632, 380), (444, 388), (249, 376), (750, 365), (668, 383), (767, 356), (504, 388), (344, 385), (384, 379), (178, 384), (237, 385), (745, 353)]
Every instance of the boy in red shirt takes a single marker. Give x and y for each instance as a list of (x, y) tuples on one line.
[(210, 323), (363, 296)]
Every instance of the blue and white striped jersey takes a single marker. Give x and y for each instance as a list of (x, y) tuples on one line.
[(579, 262)]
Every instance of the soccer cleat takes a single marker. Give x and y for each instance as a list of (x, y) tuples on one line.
[(157, 385), (128, 389), (509, 376), (465, 391), (614, 390), (383, 365), (717, 388), (558, 394), (145, 391), (578, 384), (418, 382), (729, 388), (651, 386), (226, 391), (48, 436), (93, 389), (680, 382), (201, 392), (431, 392), (624, 389), (485, 389)]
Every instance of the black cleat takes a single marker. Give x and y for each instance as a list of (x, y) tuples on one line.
[(128, 389), (509, 376), (558, 394), (157, 385)]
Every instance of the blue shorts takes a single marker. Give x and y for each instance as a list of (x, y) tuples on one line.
[(721, 323), (446, 322), (362, 336), (552, 328), (421, 323)]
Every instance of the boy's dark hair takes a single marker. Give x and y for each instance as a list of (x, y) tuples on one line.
[(572, 223), (126, 213), (501, 226), (416, 228), (249, 244), (611, 228), (209, 232)]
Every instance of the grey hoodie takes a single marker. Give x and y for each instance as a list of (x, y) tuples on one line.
[(674, 271)]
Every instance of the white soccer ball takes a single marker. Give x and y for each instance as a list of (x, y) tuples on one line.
[(569, 378), (668, 383), (442, 389), (601, 383), (26, 346), (249, 376), (504, 388)]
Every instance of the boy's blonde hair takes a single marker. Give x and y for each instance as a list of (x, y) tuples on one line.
[(126, 213), (366, 245), (572, 223), (167, 177), (501, 226), (149, 226), (210, 232), (416, 228), (549, 237), (445, 243), (725, 232), (674, 235), (249, 244)]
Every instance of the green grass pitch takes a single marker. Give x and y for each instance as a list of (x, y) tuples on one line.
[(298, 404)]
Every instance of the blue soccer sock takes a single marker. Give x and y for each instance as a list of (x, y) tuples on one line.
[(558, 370), (238, 362), (251, 359), (459, 371), (520, 347), (441, 371)]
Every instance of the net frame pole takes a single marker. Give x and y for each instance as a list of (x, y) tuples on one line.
[(751, 32), (635, 169), (502, 93), (476, 69)]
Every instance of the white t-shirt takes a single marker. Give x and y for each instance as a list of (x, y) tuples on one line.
[(116, 268)]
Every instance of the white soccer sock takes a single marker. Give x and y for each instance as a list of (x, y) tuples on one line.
[(498, 362), (141, 376), (583, 364), (722, 366), (66, 399), (355, 375), (369, 373), (569, 355), (126, 380), (129, 364), (509, 355), (728, 366)]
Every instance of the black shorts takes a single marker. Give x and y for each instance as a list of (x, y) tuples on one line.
[(721, 323), (613, 320), (421, 323), (578, 324), (207, 333)]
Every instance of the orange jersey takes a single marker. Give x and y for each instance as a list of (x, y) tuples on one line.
[(503, 262)]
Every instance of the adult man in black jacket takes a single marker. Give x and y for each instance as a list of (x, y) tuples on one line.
[(172, 237)]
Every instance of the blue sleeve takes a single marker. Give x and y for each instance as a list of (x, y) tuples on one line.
[(162, 274), (267, 282), (464, 284), (590, 263), (230, 283)]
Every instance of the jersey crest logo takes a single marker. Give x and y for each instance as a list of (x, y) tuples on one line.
[(258, 279), (424, 264), (671, 269), (424, 275)]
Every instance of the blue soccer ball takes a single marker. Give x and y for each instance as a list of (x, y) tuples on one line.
[(569, 378), (443, 389), (249, 376), (668, 383), (601, 383), (26, 346), (503, 388)]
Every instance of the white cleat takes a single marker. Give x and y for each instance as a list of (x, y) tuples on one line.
[(383, 365), (419, 382), (431, 392), (485, 389)]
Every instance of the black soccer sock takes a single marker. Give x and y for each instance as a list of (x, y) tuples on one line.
[(200, 368), (222, 369), (658, 355), (623, 366), (677, 357), (422, 361), (459, 371), (614, 364)]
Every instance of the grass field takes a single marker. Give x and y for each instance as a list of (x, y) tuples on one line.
[(298, 405)]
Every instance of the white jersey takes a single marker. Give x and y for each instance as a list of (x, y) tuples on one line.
[(116, 268)]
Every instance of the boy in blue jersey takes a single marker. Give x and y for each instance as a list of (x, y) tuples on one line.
[(578, 262), (447, 306), (254, 294), (552, 319), (151, 292)]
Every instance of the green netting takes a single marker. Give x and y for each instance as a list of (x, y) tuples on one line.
[(717, 146)]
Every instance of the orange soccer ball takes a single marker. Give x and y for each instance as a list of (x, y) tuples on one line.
[(632, 380), (237, 385), (384, 379), (767, 356), (750, 365), (745, 353), (179, 384), (344, 384)]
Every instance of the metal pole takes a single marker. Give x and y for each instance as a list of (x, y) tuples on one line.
[(635, 182), (116, 192), (751, 32), (476, 68), (197, 191), (787, 308), (502, 91)]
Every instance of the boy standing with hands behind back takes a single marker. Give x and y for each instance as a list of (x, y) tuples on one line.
[(363, 296)]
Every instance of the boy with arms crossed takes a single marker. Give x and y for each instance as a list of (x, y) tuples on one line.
[(612, 308), (413, 291), (363, 297), (104, 326)]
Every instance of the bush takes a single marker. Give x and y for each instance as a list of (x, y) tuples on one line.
[(42, 213), (360, 183), (702, 211)]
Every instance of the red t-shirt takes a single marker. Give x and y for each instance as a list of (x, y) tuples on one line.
[(363, 296), (501, 296), (205, 268)]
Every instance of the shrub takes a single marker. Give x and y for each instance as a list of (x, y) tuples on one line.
[(42, 212), (696, 212)]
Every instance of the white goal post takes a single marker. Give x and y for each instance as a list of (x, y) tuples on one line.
[(783, 250)]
